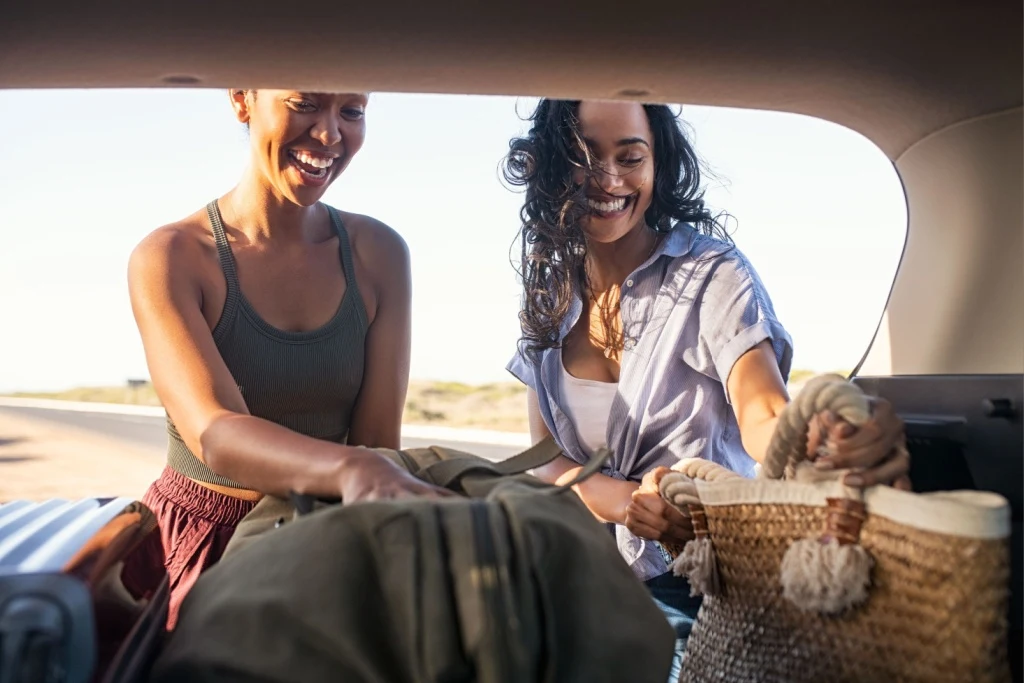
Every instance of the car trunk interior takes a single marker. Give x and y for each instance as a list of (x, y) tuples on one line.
[(936, 86)]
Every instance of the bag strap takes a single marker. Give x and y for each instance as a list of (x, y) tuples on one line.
[(447, 472), (408, 461), (450, 470), (592, 467), (538, 455), (480, 558)]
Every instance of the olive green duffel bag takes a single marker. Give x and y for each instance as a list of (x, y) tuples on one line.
[(512, 581)]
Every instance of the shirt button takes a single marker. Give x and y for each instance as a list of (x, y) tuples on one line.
[(629, 283), (629, 343)]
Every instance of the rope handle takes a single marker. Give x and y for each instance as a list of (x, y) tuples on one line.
[(788, 446), (831, 572), (696, 559), (678, 488)]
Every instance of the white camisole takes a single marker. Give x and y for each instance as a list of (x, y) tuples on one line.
[(588, 404)]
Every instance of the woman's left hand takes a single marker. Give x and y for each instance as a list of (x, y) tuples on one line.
[(876, 451)]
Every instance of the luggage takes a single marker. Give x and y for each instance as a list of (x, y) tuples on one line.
[(513, 581), (83, 591)]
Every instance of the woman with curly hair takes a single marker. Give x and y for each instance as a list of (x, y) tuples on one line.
[(646, 331)]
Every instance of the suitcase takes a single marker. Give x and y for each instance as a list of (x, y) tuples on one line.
[(83, 591)]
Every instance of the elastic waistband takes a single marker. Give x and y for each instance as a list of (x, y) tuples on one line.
[(200, 501)]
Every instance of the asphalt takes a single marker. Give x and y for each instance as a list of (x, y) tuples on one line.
[(149, 433)]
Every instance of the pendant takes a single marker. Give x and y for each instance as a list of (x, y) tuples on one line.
[(608, 352)]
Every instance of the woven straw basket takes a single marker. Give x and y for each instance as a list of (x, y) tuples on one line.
[(935, 608), (807, 580)]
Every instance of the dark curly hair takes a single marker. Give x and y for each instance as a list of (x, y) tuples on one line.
[(554, 247)]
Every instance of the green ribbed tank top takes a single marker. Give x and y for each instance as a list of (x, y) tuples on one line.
[(305, 381)]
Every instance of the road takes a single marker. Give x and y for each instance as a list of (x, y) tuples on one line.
[(149, 434)]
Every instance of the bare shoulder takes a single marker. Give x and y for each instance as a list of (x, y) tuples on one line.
[(182, 247), (376, 244)]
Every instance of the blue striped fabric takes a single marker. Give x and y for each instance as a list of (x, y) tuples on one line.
[(688, 313)]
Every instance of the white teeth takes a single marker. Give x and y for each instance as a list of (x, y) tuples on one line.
[(315, 161), (607, 207)]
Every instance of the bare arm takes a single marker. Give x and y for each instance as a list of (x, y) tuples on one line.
[(758, 396), (605, 497), (200, 395), (873, 451), (377, 416)]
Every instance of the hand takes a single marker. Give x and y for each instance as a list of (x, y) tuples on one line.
[(367, 476), (651, 483), (650, 516), (876, 451)]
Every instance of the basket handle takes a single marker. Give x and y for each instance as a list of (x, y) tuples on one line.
[(695, 560), (830, 573), (678, 488), (788, 446)]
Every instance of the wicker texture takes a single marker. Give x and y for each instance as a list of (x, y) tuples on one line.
[(678, 488), (936, 610)]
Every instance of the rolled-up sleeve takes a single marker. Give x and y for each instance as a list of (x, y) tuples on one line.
[(736, 314)]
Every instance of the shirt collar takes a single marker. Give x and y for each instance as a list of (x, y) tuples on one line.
[(679, 241)]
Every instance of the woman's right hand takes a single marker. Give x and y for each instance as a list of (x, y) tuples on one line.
[(652, 517), (366, 475)]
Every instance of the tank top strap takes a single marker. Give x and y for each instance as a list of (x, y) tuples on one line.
[(345, 247), (227, 263)]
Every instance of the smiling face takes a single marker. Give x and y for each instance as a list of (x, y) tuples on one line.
[(620, 188), (301, 142)]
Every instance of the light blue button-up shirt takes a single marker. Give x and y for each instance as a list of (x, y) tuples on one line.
[(688, 313)]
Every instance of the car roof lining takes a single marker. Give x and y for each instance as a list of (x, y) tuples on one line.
[(893, 70)]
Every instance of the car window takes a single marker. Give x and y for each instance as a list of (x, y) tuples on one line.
[(817, 208)]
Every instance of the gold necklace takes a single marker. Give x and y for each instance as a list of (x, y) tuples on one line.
[(612, 342)]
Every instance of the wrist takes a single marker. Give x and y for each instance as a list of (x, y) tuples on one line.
[(623, 501), (610, 499), (325, 476)]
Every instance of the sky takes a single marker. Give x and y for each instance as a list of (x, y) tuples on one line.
[(85, 175)]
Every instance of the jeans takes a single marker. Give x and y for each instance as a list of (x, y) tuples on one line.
[(672, 595)]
